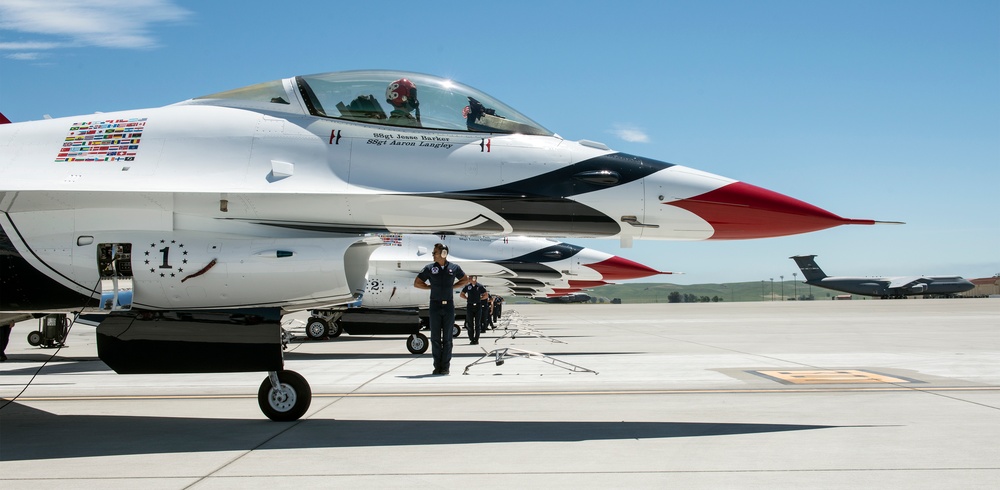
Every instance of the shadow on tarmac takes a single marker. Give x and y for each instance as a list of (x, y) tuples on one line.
[(29, 364), (30, 434)]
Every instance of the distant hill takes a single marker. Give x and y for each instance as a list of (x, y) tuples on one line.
[(648, 292)]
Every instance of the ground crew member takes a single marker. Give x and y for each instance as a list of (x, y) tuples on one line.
[(472, 293), (439, 277)]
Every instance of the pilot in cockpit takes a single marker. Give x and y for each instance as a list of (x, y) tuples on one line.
[(402, 95)]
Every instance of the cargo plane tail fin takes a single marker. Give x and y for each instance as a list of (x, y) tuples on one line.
[(807, 263)]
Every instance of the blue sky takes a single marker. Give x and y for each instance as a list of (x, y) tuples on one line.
[(870, 109)]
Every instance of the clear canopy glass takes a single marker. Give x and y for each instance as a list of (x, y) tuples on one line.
[(433, 102)]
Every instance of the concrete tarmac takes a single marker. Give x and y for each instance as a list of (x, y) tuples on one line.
[(822, 394)]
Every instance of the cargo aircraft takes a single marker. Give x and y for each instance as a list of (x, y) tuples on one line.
[(881, 287), (198, 224)]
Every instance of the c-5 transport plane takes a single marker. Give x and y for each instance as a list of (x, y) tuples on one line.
[(882, 287), (198, 224)]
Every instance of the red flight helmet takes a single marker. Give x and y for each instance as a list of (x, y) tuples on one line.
[(402, 93)]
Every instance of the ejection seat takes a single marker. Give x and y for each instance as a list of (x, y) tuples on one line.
[(362, 108)]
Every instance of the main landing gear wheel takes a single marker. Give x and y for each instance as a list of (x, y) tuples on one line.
[(317, 328), (35, 338), (456, 331), (417, 343), (289, 401)]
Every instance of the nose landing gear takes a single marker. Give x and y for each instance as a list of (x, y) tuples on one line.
[(284, 396)]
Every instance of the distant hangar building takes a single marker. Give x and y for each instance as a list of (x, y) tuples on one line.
[(987, 286)]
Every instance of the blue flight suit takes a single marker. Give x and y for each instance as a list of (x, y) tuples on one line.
[(473, 317), (442, 309)]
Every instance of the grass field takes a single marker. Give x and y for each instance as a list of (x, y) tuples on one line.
[(731, 292)]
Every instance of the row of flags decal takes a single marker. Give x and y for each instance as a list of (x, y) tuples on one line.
[(113, 140)]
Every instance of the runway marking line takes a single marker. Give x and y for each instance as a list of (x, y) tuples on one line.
[(830, 376)]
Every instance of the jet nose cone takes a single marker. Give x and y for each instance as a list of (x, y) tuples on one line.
[(618, 268), (740, 210)]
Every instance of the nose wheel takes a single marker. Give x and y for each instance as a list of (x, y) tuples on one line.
[(284, 396), (317, 328), (417, 343)]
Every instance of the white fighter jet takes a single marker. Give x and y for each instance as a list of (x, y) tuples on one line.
[(506, 266), (198, 224)]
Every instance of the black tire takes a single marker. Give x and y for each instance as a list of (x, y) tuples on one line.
[(417, 343), (35, 338), (456, 331), (285, 406), (317, 328), (336, 330)]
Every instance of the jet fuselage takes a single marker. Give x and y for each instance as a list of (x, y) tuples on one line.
[(208, 199)]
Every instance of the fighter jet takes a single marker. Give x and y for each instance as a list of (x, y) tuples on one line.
[(198, 224), (569, 298), (518, 266), (507, 266), (882, 287)]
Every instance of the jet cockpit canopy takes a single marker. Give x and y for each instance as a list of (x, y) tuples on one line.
[(438, 103)]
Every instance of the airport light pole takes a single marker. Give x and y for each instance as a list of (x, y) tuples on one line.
[(762, 290), (795, 285), (782, 287), (772, 289)]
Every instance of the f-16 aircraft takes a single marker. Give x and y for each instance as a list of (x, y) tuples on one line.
[(569, 298), (882, 287), (517, 266), (506, 266), (198, 224)]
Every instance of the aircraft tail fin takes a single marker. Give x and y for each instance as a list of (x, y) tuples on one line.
[(807, 264), (3, 119)]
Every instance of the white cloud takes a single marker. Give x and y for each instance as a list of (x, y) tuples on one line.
[(28, 46), (630, 134), (24, 56), (104, 23)]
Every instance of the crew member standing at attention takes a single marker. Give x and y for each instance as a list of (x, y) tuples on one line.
[(439, 277), (484, 311), (497, 310), (471, 293)]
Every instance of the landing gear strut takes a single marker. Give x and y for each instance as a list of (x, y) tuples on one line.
[(284, 396), (324, 323)]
